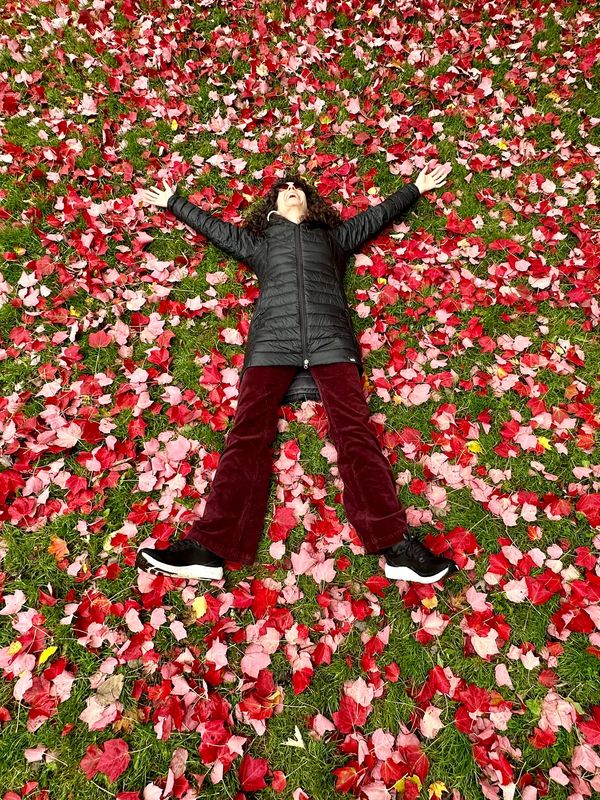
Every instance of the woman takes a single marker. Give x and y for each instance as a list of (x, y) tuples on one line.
[(298, 246)]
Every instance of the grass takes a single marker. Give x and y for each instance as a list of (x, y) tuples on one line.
[(102, 157)]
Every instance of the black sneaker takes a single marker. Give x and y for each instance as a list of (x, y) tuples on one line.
[(183, 559), (410, 560)]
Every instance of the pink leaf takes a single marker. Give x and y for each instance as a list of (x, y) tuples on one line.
[(254, 660), (430, 724)]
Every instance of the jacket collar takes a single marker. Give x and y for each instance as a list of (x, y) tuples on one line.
[(275, 218)]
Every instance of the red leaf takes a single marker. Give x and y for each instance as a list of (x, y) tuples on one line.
[(350, 715), (589, 505), (322, 654), (591, 728), (542, 738), (542, 587), (301, 679), (279, 781), (89, 763), (345, 778), (376, 584), (99, 339), (112, 760), (252, 773), (264, 598), (548, 677), (115, 759)]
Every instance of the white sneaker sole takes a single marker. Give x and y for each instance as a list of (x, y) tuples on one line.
[(407, 574), (192, 571)]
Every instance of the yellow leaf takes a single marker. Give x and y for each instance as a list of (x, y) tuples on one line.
[(544, 442), (396, 399), (276, 697), (501, 372), (73, 312), (474, 447), (429, 602), (14, 648), (399, 785), (199, 606), (553, 96), (381, 280), (502, 145), (49, 651), (173, 124), (436, 789)]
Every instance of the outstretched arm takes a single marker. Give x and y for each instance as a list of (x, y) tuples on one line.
[(230, 238), (357, 230), (354, 232)]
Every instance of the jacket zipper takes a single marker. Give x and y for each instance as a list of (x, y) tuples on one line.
[(301, 297)]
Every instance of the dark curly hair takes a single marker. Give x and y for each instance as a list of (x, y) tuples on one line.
[(319, 210)]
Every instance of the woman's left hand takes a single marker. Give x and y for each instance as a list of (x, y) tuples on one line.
[(158, 197), (432, 180)]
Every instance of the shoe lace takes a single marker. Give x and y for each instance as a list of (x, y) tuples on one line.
[(182, 544), (414, 548)]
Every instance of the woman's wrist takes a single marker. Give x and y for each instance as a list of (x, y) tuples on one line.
[(172, 199)]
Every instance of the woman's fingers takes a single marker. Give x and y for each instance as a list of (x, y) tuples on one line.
[(170, 188), (156, 196), (151, 196)]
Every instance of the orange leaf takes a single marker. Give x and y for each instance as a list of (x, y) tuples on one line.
[(58, 548)]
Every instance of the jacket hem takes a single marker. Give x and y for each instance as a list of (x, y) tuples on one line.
[(329, 357)]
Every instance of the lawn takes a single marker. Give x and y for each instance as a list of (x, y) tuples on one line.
[(307, 675)]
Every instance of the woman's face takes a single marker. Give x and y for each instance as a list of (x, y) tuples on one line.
[(291, 199)]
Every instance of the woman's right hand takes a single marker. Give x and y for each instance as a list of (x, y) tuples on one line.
[(158, 197)]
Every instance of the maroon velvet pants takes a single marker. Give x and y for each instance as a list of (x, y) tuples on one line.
[(234, 515)]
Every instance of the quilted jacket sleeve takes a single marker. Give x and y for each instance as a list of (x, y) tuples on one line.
[(233, 240), (354, 232)]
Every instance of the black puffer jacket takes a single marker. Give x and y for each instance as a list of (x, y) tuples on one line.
[(302, 316)]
